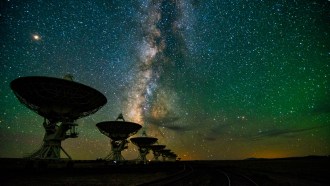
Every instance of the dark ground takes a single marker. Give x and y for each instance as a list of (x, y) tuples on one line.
[(290, 171)]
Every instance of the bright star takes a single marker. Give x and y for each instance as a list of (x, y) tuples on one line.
[(36, 37)]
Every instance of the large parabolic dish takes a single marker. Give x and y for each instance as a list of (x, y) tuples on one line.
[(60, 102), (57, 99)]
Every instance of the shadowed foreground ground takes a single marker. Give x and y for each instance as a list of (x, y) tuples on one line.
[(292, 171)]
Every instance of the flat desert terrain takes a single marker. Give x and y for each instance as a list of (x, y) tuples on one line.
[(290, 171)]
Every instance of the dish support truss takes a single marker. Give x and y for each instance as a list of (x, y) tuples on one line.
[(54, 135)]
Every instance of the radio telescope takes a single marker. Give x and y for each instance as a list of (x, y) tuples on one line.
[(171, 156), (156, 149), (165, 153), (168, 154), (118, 131), (144, 142), (60, 102)]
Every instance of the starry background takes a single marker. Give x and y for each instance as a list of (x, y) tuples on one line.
[(228, 79)]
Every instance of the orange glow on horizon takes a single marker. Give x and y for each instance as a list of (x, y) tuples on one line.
[(270, 154)]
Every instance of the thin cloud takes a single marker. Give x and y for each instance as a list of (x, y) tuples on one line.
[(282, 132)]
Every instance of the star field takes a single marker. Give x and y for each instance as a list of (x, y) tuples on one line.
[(211, 80)]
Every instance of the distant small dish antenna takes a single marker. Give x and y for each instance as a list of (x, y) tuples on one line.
[(118, 131), (144, 144)]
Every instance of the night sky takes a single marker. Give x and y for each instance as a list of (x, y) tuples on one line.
[(216, 79)]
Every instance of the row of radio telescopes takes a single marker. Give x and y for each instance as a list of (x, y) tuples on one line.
[(62, 101)]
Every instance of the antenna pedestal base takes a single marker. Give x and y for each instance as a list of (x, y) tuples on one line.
[(116, 148), (49, 150), (143, 151)]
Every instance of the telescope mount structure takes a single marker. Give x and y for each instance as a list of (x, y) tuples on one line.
[(144, 144), (118, 131), (60, 102)]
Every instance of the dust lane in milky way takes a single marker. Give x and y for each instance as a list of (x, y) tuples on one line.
[(160, 22)]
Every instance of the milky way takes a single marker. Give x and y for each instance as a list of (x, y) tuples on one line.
[(211, 79), (160, 32)]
